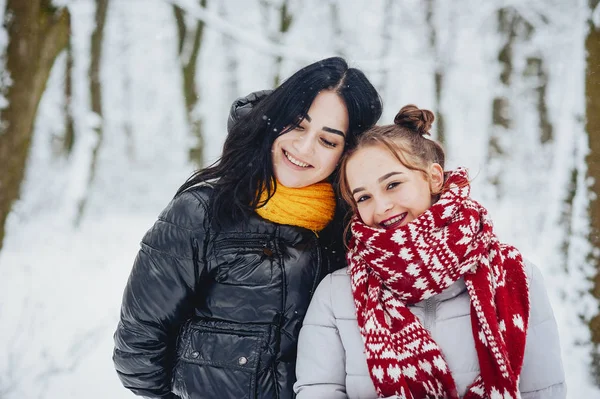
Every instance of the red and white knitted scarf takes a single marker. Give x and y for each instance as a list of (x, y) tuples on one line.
[(391, 269)]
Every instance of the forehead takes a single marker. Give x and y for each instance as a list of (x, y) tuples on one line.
[(328, 106), (373, 156), (368, 164)]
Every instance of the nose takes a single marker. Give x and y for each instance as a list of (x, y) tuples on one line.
[(304, 143), (383, 204)]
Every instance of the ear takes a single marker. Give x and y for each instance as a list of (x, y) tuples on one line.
[(436, 175)]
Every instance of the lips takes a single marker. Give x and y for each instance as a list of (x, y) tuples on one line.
[(295, 161), (394, 221)]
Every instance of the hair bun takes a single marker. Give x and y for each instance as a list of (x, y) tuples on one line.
[(416, 119)]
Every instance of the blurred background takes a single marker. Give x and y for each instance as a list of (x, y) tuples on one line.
[(107, 106)]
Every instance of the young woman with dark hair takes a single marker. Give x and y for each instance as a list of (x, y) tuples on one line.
[(222, 281), (432, 304)]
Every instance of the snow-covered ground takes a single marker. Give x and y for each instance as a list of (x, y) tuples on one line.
[(62, 274)]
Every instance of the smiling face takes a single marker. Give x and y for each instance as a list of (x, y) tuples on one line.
[(386, 193), (309, 153)]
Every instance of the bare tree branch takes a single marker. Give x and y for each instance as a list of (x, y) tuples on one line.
[(258, 42)]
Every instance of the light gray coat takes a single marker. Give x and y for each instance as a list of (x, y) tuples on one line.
[(332, 364)]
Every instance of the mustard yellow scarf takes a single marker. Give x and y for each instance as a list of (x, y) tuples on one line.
[(311, 207)]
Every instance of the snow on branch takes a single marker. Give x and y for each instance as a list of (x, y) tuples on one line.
[(534, 17), (596, 16), (261, 44)]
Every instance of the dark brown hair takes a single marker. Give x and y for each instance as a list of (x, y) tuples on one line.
[(405, 139)]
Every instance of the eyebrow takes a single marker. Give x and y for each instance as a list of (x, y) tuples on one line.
[(387, 176), (382, 178), (335, 131), (326, 128)]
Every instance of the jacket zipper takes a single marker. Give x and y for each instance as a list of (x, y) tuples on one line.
[(233, 242), (430, 310), (244, 245), (319, 265)]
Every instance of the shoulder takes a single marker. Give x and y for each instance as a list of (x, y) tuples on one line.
[(535, 277), (343, 273), (201, 193), (531, 270), (540, 306), (333, 286), (339, 280), (189, 208), (335, 293)]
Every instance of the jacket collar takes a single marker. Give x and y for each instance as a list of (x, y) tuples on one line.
[(451, 292)]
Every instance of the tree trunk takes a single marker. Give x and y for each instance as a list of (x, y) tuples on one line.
[(336, 24), (95, 94), (37, 33), (439, 72), (69, 138), (188, 54), (537, 71), (285, 21), (387, 41), (592, 95), (513, 28), (231, 88)]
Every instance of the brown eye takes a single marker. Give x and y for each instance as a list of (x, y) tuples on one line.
[(362, 199)]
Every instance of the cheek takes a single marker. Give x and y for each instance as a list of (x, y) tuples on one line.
[(274, 153), (330, 159), (284, 138), (422, 198), (275, 146), (280, 142), (322, 163), (365, 215), (405, 197)]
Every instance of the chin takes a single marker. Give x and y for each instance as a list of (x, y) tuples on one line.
[(296, 180), (290, 183), (287, 181)]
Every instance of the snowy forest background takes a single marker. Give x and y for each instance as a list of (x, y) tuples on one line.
[(107, 106)]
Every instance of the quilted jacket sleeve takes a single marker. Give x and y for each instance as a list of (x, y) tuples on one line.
[(242, 106), (158, 296), (320, 367), (542, 375)]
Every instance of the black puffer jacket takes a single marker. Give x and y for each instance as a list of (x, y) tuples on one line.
[(210, 314)]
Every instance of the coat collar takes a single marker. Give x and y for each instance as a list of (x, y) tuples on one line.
[(451, 292)]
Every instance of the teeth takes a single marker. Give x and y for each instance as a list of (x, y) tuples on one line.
[(295, 161), (394, 220)]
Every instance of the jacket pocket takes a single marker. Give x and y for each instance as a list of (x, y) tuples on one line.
[(217, 359), (244, 261)]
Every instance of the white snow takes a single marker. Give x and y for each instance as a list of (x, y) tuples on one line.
[(62, 275)]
